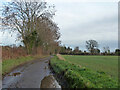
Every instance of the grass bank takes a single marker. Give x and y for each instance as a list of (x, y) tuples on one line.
[(81, 77), (10, 64)]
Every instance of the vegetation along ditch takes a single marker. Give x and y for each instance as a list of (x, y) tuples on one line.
[(81, 77)]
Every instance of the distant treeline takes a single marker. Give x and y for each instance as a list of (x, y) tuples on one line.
[(13, 51), (68, 51)]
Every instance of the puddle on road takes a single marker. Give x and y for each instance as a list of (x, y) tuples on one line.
[(32, 63), (45, 67), (14, 74), (49, 82)]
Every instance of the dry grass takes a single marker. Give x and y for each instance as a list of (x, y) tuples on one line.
[(60, 57), (16, 52), (10, 53)]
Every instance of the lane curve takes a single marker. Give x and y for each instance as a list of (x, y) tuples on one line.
[(29, 75)]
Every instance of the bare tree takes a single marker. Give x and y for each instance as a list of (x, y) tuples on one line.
[(91, 45), (48, 34), (33, 21)]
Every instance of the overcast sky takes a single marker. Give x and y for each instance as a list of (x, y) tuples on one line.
[(80, 21)]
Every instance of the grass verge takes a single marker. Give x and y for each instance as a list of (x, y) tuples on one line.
[(81, 77)]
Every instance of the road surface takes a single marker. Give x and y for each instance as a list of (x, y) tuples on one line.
[(30, 75)]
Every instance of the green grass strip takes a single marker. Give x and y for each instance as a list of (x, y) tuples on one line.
[(8, 65)]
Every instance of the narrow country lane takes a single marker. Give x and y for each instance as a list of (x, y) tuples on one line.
[(30, 75)]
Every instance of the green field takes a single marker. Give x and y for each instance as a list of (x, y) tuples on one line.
[(87, 71), (107, 64)]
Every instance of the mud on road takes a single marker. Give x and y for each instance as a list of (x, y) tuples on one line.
[(31, 75)]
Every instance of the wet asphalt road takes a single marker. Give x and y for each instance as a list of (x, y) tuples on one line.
[(29, 75)]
